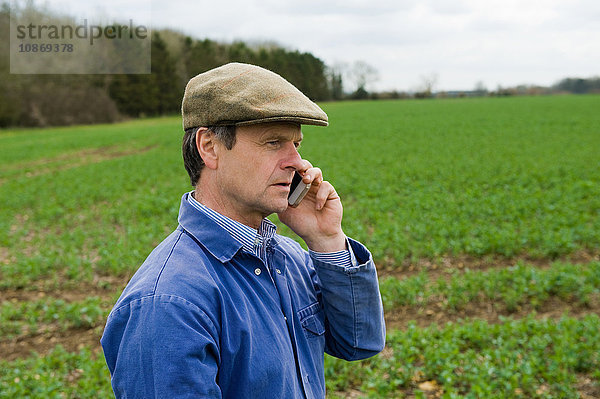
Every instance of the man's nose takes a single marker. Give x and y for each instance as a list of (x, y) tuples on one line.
[(292, 158)]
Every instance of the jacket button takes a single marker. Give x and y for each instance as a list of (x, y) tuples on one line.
[(278, 271), (257, 271)]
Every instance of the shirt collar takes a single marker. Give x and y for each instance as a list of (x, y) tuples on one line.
[(247, 236)]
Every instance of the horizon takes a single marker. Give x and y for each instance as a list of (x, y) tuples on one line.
[(462, 43)]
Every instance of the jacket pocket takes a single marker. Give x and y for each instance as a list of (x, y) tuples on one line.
[(312, 320)]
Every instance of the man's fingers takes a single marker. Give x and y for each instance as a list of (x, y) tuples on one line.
[(325, 192), (313, 176), (306, 165)]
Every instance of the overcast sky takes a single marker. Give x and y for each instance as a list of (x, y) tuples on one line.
[(462, 42)]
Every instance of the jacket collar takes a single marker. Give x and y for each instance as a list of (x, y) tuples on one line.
[(207, 232)]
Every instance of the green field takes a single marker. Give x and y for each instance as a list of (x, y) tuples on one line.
[(482, 214)]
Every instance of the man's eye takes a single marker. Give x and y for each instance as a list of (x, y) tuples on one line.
[(297, 144), (273, 142)]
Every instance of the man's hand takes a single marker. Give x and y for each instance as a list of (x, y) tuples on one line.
[(318, 217)]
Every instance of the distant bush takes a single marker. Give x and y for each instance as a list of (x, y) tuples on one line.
[(578, 85)]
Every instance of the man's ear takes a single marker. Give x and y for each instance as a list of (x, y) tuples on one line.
[(206, 143)]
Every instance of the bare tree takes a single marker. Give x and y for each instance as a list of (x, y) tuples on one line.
[(428, 83), (363, 74), (480, 89)]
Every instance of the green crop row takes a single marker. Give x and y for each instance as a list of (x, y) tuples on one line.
[(505, 176), (58, 375), (97, 219), (29, 147), (417, 179), (17, 318), (511, 287), (525, 358)]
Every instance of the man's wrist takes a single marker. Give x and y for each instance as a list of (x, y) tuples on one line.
[(328, 244)]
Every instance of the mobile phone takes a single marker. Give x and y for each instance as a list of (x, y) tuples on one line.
[(298, 190)]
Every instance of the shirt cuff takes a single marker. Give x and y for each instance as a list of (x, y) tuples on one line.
[(344, 258)]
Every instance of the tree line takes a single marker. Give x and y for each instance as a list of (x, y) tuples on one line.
[(46, 100)]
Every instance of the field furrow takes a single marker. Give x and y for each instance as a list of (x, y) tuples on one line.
[(482, 215)]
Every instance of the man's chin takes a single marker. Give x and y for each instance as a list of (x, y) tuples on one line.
[(275, 205), (280, 205)]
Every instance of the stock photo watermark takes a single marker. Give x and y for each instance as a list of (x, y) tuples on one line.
[(44, 42)]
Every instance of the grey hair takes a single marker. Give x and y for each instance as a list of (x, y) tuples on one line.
[(191, 157)]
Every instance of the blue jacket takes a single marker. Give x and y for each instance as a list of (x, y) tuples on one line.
[(202, 318)]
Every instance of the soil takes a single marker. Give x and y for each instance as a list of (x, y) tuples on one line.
[(103, 287), (553, 308), (75, 159), (446, 264), (76, 338), (72, 340)]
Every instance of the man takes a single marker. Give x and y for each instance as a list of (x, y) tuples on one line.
[(224, 307)]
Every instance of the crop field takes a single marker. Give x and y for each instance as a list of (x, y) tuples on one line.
[(483, 216)]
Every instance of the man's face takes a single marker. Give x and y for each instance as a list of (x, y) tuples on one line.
[(254, 176)]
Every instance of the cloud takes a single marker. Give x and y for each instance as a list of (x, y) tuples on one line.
[(497, 41), (105, 11), (362, 8)]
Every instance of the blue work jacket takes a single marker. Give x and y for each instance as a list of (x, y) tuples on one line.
[(202, 318)]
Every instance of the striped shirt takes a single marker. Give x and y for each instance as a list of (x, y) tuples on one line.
[(256, 241)]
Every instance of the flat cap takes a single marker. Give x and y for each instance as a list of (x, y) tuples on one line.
[(242, 94)]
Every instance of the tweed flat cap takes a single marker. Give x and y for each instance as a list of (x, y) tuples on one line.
[(242, 94)]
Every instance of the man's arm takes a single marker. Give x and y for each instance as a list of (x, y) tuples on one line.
[(355, 326), (351, 298), (161, 346)]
